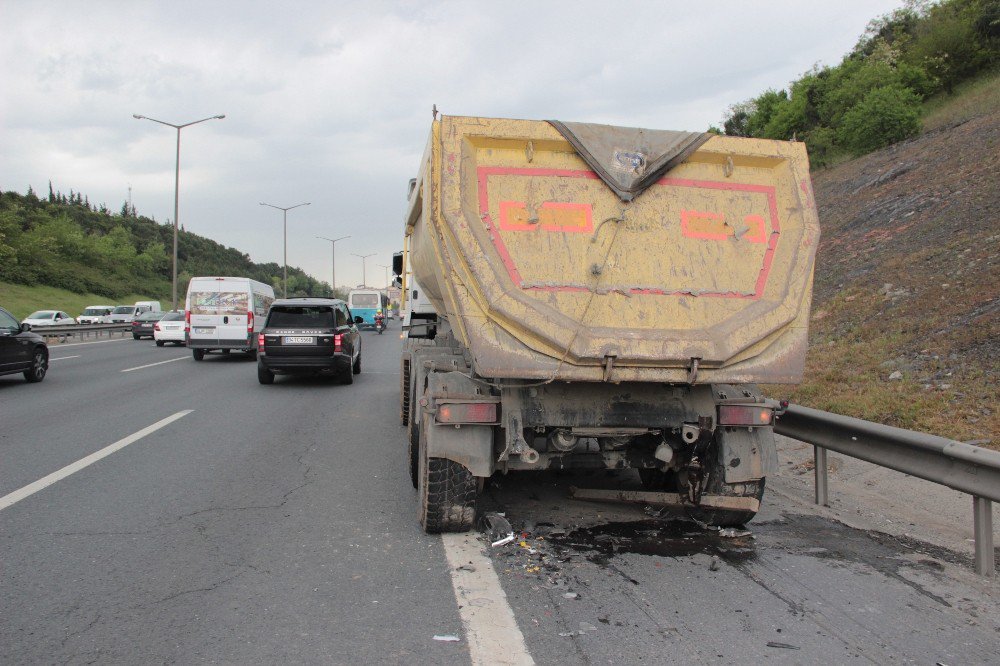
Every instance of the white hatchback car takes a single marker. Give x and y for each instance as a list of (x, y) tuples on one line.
[(170, 328)]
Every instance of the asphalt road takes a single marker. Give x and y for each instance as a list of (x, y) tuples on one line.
[(276, 524)]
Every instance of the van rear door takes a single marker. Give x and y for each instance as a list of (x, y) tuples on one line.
[(219, 312), (235, 301)]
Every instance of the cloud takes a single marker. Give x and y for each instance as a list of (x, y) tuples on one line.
[(331, 102)]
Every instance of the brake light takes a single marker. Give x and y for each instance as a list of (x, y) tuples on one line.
[(260, 342), (467, 412), (156, 326), (187, 321), (338, 342), (745, 415), (249, 325), (135, 323)]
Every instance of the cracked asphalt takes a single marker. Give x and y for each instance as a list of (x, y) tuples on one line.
[(276, 524)]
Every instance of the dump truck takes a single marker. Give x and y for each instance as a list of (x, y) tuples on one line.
[(602, 297)]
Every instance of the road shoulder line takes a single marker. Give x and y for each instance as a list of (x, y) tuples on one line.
[(491, 631)]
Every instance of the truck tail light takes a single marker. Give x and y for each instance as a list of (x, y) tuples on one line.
[(467, 412), (744, 415), (260, 343), (187, 321), (249, 326), (338, 342)]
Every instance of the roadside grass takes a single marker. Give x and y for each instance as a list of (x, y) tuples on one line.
[(854, 348), (22, 300), (970, 99)]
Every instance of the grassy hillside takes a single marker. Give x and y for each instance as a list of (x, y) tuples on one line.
[(64, 242), (906, 314), (22, 300)]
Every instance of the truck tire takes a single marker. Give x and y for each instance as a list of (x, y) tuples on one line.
[(446, 494), (198, 354), (404, 390)]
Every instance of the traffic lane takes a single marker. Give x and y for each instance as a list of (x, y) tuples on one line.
[(273, 523), (803, 589), (73, 415)]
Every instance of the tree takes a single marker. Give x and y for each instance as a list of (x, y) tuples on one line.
[(883, 117)]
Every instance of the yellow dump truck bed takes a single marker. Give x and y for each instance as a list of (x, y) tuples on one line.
[(547, 269)]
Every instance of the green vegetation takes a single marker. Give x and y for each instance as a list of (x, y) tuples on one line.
[(875, 96), (22, 300), (66, 243)]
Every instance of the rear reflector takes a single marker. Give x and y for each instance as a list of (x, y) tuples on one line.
[(467, 412), (745, 415)]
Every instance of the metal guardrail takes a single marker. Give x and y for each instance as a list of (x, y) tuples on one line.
[(80, 330), (963, 467)]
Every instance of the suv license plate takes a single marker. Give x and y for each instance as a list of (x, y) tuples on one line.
[(298, 341), (204, 331)]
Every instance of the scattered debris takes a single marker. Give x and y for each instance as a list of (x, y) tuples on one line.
[(896, 375), (497, 529), (585, 627), (783, 646), (571, 595), (733, 533), (714, 566), (447, 638), (466, 567), (567, 634)]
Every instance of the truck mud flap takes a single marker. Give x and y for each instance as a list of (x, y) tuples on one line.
[(747, 454)]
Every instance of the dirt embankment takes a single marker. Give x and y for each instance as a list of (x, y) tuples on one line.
[(906, 313)]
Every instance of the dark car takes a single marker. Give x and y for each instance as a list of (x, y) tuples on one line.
[(21, 350), (309, 336), (142, 326)]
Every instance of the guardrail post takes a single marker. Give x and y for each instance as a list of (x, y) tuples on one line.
[(982, 518), (819, 467)]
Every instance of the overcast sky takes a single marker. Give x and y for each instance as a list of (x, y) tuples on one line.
[(330, 102)]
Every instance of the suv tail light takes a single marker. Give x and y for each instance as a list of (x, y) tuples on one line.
[(156, 326), (338, 342), (745, 415), (260, 343), (467, 412)]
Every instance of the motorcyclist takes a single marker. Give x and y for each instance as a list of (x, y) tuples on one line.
[(379, 320)]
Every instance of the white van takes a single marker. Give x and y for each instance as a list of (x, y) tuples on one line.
[(125, 314), (96, 314), (225, 313)]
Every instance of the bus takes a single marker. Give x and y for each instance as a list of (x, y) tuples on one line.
[(365, 302)]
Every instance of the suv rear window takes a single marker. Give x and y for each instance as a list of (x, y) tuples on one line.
[(300, 316)]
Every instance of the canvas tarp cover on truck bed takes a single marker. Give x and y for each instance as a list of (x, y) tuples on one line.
[(629, 159)]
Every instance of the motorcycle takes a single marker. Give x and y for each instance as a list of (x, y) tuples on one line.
[(379, 323)]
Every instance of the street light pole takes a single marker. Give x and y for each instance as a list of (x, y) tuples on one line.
[(333, 260), (177, 183), (364, 278), (386, 275), (284, 215)]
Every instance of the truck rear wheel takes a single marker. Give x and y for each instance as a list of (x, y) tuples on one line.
[(446, 494), (198, 354)]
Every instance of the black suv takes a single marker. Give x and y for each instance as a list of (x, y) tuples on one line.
[(21, 350), (309, 335)]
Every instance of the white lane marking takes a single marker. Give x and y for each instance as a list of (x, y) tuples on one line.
[(491, 631), (72, 468), (150, 365), (95, 342), (63, 358)]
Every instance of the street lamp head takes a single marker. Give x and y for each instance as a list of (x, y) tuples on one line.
[(138, 117), (220, 116)]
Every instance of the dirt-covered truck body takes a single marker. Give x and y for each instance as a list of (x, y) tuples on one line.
[(605, 297)]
